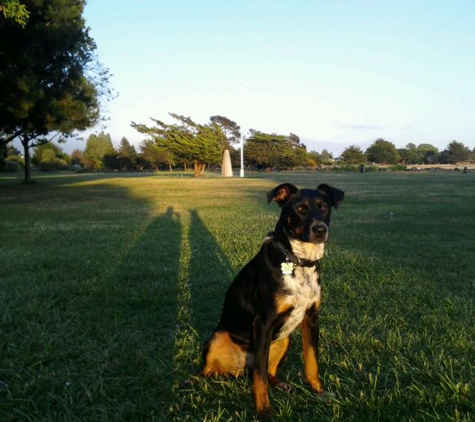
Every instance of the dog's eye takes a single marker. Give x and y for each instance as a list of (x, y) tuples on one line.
[(301, 209), (322, 206)]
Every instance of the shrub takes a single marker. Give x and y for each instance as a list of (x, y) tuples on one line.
[(12, 166)]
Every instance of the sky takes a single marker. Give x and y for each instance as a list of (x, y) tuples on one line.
[(335, 72)]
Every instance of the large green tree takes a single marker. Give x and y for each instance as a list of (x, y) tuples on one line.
[(409, 155), (127, 155), (98, 147), (51, 82), (383, 152), (353, 155), (267, 151), (454, 153), (230, 128), (184, 141), (154, 155), (50, 157), (428, 153)]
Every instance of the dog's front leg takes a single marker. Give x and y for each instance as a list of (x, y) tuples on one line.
[(262, 340), (310, 334)]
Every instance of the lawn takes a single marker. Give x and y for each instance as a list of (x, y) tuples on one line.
[(110, 284)]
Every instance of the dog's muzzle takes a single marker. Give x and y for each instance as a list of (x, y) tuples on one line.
[(318, 232)]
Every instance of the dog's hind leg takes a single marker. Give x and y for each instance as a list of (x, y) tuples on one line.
[(222, 356), (278, 350)]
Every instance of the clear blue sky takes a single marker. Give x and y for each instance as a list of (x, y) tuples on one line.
[(334, 72)]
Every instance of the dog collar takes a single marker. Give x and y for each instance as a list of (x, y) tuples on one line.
[(291, 260)]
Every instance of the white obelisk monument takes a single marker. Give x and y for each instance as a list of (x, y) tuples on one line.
[(226, 168)]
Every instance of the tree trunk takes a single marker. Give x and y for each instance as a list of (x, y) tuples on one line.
[(26, 148), (199, 169)]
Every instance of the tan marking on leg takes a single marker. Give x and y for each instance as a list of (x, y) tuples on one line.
[(278, 349), (277, 352), (259, 388), (224, 356), (310, 359)]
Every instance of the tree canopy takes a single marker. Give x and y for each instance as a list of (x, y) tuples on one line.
[(14, 10), (353, 155), (184, 141), (98, 146), (455, 152), (274, 151), (50, 79), (231, 130), (383, 152)]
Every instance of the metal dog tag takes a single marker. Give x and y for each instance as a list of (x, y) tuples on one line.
[(287, 268)]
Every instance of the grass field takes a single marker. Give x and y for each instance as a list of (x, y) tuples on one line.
[(109, 286)]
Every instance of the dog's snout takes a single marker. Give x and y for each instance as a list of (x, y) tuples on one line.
[(319, 230)]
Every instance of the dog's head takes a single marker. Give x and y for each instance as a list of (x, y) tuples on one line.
[(306, 213)]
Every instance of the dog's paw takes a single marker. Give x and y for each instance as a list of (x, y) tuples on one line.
[(285, 387), (316, 386)]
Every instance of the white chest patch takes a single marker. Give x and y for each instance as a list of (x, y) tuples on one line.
[(310, 251), (303, 290)]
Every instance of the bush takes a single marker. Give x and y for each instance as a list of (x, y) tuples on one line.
[(12, 166)]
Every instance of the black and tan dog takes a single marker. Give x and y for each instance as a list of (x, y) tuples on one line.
[(278, 290)]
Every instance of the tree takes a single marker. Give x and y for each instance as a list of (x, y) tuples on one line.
[(127, 155), (454, 153), (428, 153), (353, 155), (155, 155), (315, 157), (77, 158), (97, 147), (50, 157), (14, 10), (231, 129), (186, 141), (383, 152), (209, 146), (326, 157), (266, 151), (409, 155), (51, 82)]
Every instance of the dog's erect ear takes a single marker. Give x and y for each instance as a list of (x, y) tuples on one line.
[(281, 193), (334, 196)]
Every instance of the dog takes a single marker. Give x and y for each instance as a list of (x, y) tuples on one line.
[(273, 294)]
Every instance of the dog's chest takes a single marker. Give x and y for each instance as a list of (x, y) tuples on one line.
[(302, 290)]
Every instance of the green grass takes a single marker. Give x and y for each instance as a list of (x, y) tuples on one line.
[(109, 286)]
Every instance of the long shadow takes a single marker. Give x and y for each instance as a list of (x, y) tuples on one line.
[(143, 311), (88, 329), (210, 275)]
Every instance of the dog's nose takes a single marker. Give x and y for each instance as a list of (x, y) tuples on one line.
[(320, 230)]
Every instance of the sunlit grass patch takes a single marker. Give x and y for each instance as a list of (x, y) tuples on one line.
[(110, 286)]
